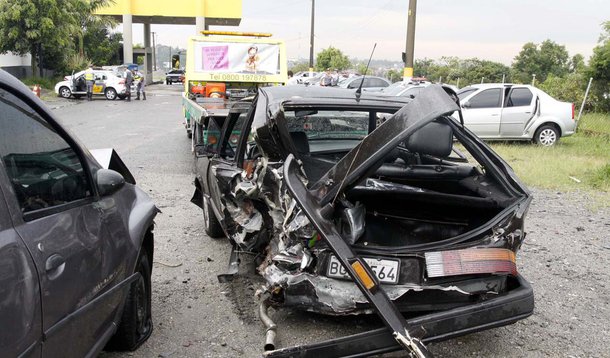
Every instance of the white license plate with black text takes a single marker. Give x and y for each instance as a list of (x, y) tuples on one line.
[(387, 271)]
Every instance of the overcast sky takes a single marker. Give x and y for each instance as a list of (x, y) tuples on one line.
[(487, 29)]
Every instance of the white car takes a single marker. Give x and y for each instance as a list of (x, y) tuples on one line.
[(107, 83), (516, 112), (299, 77), (371, 83)]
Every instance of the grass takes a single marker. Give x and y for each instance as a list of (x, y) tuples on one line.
[(46, 83), (579, 162)]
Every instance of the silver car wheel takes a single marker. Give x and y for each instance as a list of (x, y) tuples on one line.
[(547, 137), (65, 92)]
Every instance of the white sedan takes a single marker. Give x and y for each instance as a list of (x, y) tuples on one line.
[(496, 111)]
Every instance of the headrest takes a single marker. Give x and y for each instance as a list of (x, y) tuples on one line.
[(434, 139), (300, 141)]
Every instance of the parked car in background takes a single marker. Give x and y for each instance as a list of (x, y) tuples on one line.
[(347, 216), (174, 76), (404, 89), (313, 81), (371, 83), (76, 239), (109, 84), (299, 77), (516, 112)]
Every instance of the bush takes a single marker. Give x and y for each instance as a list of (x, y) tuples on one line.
[(570, 88), (46, 83)]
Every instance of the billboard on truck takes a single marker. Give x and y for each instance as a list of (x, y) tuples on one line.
[(236, 59)]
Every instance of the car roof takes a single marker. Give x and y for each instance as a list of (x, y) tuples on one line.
[(494, 85), (302, 95)]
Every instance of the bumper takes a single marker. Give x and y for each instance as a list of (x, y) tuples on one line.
[(513, 306)]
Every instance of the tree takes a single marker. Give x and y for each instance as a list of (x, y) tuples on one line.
[(394, 75), (46, 29), (541, 60), (332, 58), (599, 69), (577, 64), (100, 46)]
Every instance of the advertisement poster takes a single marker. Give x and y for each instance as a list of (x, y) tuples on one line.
[(233, 57)]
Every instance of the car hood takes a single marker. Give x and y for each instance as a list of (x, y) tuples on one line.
[(432, 102)]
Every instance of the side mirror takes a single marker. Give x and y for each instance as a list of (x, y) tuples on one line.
[(108, 181), (466, 104)]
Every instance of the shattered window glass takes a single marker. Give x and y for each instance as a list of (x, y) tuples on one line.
[(321, 125)]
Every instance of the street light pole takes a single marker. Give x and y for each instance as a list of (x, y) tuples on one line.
[(313, 10), (410, 46)]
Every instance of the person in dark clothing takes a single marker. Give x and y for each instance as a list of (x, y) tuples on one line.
[(128, 83)]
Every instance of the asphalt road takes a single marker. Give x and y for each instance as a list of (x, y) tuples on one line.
[(566, 257)]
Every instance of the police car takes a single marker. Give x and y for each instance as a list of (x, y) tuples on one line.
[(109, 84)]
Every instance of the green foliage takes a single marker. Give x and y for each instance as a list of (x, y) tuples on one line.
[(101, 46), (468, 71), (599, 69), (46, 29), (584, 156), (394, 75), (332, 58), (76, 62), (46, 83), (300, 67), (361, 69), (541, 60), (570, 88)]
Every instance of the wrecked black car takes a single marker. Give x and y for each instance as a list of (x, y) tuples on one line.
[(366, 204)]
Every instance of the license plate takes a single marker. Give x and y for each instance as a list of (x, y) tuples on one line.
[(387, 271)]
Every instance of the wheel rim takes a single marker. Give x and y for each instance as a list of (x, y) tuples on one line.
[(65, 93), (110, 94), (547, 137)]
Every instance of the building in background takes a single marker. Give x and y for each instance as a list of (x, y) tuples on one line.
[(18, 66)]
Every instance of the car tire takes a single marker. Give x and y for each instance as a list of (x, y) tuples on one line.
[(136, 321), (547, 135), (78, 96), (210, 222), (110, 94), (64, 92), (168, 81)]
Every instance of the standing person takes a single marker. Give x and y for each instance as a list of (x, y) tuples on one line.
[(140, 88), (89, 80), (335, 78), (327, 79), (128, 83)]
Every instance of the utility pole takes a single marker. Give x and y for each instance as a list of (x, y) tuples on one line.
[(313, 10), (410, 47), (154, 51)]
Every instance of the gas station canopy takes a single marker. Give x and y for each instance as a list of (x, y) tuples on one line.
[(177, 12)]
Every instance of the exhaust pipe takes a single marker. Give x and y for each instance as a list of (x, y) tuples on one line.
[(271, 326)]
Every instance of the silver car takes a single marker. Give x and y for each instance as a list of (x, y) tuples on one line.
[(516, 112), (76, 239)]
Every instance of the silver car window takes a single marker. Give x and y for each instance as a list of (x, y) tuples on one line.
[(489, 98)]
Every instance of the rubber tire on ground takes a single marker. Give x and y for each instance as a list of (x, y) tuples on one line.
[(210, 222), (136, 322), (168, 81), (78, 96), (110, 94), (64, 92), (547, 135)]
